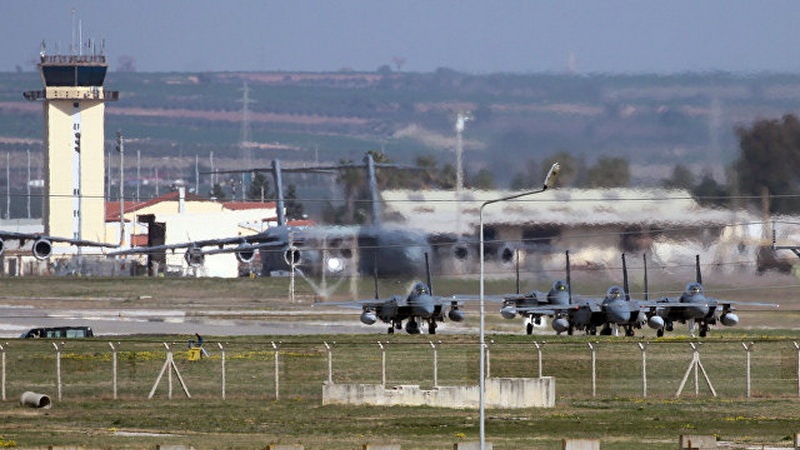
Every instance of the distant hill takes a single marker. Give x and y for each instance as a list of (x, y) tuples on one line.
[(652, 121)]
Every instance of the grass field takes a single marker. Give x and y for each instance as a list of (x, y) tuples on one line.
[(251, 416)]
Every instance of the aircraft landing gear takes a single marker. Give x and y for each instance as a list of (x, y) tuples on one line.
[(412, 327), (629, 331), (703, 330), (432, 326), (529, 329), (605, 331), (660, 332)]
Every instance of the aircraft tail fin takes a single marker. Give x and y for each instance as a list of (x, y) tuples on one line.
[(517, 269), (625, 279), (279, 203), (646, 289), (698, 274), (374, 196), (569, 280), (428, 271), (375, 273)]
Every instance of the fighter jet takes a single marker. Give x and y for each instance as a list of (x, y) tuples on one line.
[(616, 309), (420, 305), (536, 304), (694, 307)]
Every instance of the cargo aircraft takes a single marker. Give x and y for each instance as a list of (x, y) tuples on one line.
[(334, 249)]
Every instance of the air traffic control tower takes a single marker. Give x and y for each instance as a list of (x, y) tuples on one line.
[(74, 107)]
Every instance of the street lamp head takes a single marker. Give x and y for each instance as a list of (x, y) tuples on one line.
[(550, 179)]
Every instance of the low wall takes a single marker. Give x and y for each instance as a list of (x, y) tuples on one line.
[(500, 393)]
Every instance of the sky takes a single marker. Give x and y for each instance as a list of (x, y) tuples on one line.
[(471, 36)]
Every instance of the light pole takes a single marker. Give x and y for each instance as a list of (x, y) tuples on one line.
[(548, 183), (121, 150)]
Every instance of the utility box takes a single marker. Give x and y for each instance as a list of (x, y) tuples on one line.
[(580, 444), (698, 442)]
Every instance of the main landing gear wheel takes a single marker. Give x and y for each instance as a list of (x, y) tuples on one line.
[(660, 332), (432, 326), (529, 329)]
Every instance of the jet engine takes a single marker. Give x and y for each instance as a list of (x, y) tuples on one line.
[(460, 251), (560, 325), (509, 312), (412, 327), (245, 253), (194, 256), (729, 319), (42, 249), (292, 256), (368, 317), (655, 322), (455, 314)]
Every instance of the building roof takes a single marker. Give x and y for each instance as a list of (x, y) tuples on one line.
[(439, 210), (112, 208)]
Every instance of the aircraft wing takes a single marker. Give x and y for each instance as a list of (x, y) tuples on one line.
[(22, 237), (261, 240), (710, 301), (364, 304), (546, 310)]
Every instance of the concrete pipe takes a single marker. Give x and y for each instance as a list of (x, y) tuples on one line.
[(34, 400)]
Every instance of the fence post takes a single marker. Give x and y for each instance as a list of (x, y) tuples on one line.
[(113, 369), (277, 372), (594, 367), (222, 352), (58, 371), (643, 348), (329, 349), (747, 349), (3, 374), (383, 364), (797, 347), (435, 365), (488, 358), (539, 350)]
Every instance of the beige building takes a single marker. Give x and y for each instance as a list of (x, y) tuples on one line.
[(177, 218)]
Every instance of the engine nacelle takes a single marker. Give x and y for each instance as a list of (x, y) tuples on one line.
[(245, 253), (729, 319), (509, 312), (456, 315), (368, 317), (292, 256), (194, 256), (656, 322), (507, 254), (461, 252), (42, 249), (561, 325)]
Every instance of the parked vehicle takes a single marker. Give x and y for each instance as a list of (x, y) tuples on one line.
[(59, 332)]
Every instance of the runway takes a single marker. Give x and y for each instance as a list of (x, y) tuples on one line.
[(15, 320)]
